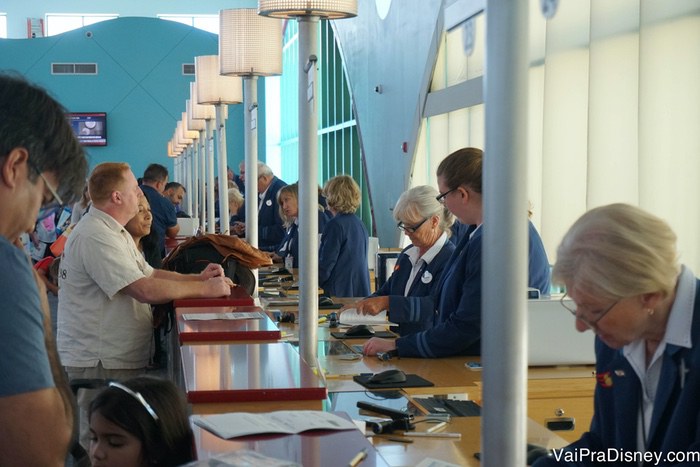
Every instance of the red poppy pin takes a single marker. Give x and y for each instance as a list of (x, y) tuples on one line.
[(396, 267), (605, 379)]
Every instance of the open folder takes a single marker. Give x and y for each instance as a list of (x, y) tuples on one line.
[(233, 425), (351, 317)]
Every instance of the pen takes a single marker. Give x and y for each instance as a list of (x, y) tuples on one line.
[(437, 427), (333, 376), (425, 434), (359, 457)]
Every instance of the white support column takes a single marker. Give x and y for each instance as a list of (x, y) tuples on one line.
[(203, 155), (505, 252), (187, 162), (250, 129), (210, 181), (308, 189), (224, 216)]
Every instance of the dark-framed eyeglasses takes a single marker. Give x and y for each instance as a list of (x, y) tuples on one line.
[(410, 229), (138, 396), (56, 200), (441, 197), (591, 323)]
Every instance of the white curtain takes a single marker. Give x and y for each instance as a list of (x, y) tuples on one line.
[(614, 114)]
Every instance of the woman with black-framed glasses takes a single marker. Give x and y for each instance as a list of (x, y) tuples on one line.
[(457, 298), (407, 294), (620, 267)]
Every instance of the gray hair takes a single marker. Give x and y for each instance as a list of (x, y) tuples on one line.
[(420, 203), (264, 170), (618, 251)]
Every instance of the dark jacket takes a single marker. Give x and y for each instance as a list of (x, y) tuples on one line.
[(270, 224), (457, 329), (675, 424), (342, 259), (415, 311)]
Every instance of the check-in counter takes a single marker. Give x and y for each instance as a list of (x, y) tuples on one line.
[(249, 378)]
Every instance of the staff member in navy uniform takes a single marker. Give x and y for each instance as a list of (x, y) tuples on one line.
[(457, 329), (270, 224), (288, 200), (620, 267), (407, 294), (342, 259)]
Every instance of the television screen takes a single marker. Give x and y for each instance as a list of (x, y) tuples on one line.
[(89, 127)]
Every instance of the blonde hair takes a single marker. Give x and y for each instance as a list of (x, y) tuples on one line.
[(618, 251), (342, 194), (235, 196), (106, 178), (420, 203)]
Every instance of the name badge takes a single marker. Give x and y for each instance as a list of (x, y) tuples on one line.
[(426, 278), (268, 202)]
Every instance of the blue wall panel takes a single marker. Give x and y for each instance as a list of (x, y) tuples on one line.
[(139, 83)]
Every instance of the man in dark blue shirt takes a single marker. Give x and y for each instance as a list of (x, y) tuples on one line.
[(164, 219)]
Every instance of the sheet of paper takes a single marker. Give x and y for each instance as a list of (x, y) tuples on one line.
[(242, 457), (233, 425), (236, 315)]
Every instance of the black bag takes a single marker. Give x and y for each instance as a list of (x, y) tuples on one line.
[(193, 260)]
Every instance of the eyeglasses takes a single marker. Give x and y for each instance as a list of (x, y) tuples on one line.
[(413, 229), (138, 397), (441, 197), (590, 323), (56, 200)]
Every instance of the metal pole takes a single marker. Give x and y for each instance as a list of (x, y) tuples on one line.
[(203, 157), (211, 197), (250, 104), (187, 159), (308, 190), (224, 216), (505, 252), (196, 180)]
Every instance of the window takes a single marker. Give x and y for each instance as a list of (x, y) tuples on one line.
[(3, 25), (209, 23), (57, 23)]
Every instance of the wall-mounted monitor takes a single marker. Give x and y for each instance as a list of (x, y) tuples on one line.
[(89, 127)]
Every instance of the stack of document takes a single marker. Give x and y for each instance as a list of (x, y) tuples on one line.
[(236, 315)]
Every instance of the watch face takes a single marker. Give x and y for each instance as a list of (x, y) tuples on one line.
[(382, 7), (90, 124)]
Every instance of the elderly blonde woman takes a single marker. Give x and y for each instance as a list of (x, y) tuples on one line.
[(235, 203), (342, 259), (407, 295), (620, 267)]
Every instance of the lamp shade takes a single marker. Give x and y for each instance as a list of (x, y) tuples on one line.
[(200, 111), (192, 124), (212, 88), (182, 138), (330, 9), (249, 44), (186, 130)]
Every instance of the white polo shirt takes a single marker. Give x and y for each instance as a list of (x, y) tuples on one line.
[(96, 322)]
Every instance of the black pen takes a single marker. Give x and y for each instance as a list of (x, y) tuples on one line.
[(359, 457)]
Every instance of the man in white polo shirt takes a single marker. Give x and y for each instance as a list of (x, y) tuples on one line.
[(106, 286)]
